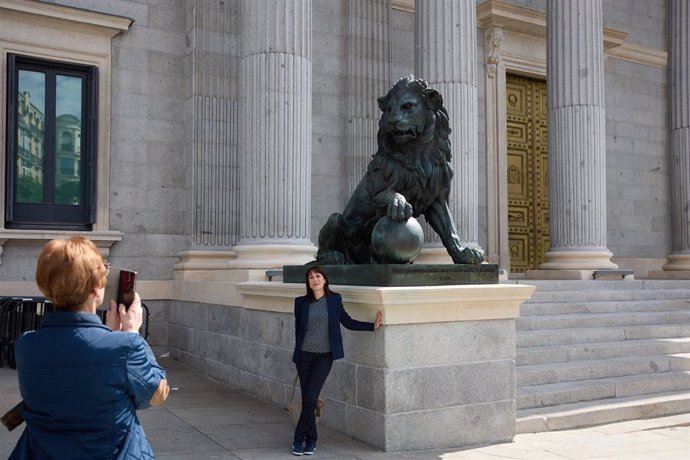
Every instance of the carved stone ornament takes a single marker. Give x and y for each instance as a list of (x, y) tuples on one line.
[(493, 39)]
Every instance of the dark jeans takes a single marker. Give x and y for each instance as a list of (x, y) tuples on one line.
[(312, 368)]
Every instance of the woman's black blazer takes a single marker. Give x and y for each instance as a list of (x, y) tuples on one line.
[(336, 316)]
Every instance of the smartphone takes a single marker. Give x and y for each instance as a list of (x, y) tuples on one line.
[(120, 286)]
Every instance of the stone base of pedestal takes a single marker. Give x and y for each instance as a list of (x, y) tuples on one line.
[(439, 373)]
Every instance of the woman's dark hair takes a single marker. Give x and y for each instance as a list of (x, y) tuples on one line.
[(316, 269)]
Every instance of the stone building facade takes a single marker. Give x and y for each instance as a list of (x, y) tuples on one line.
[(221, 137), (223, 133)]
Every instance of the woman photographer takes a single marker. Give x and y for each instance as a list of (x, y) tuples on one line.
[(81, 380), (318, 341)]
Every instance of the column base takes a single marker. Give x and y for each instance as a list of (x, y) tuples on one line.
[(265, 256), (244, 263), (577, 260), (678, 262)]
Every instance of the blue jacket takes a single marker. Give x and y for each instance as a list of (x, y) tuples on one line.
[(336, 316), (81, 383)]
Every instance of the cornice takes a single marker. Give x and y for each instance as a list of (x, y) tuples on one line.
[(50, 14), (633, 52), (527, 21)]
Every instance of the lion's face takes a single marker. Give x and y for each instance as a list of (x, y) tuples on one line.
[(403, 117)]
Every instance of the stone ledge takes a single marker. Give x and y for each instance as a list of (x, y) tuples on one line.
[(402, 305)]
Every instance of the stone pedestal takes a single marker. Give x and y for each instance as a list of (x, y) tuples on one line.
[(439, 373)]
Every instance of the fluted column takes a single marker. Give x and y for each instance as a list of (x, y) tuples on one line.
[(370, 78), (275, 131), (679, 130), (577, 142), (445, 56)]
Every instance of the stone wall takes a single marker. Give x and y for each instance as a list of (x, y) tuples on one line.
[(638, 221)]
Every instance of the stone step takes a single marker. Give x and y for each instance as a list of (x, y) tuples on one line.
[(591, 320), (599, 412), (553, 394), (576, 306), (540, 374), (600, 334), (526, 356), (604, 285), (605, 295)]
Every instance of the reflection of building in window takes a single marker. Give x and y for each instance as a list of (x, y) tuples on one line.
[(30, 135), (68, 159), (68, 153)]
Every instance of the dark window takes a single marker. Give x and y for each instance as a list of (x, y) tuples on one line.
[(51, 144)]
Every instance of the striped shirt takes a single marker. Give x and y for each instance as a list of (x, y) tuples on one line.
[(317, 338)]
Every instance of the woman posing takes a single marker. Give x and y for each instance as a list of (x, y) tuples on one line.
[(318, 342)]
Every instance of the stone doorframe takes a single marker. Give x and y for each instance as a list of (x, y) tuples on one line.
[(514, 43)]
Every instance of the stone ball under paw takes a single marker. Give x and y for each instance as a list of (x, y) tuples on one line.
[(397, 242)]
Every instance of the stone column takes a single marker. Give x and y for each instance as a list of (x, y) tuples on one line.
[(275, 120), (370, 78), (577, 142), (445, 56), (679, 128), (211, 219)]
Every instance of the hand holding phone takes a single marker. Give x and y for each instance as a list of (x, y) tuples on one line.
[(124, 319), (120, 286), (120, 289)]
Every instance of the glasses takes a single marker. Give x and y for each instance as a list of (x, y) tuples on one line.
[(107, 268)]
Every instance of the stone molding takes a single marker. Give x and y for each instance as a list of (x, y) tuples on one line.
[(532, 22), (41, 13), (102, 239), (402, 305)]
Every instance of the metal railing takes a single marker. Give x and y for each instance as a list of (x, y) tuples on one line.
[(21, 314)]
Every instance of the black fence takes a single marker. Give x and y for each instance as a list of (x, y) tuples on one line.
[(21, 314)]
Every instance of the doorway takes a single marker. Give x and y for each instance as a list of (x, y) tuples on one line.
[(527, 173)]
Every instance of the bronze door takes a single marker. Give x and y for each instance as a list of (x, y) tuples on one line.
[(528, 192)]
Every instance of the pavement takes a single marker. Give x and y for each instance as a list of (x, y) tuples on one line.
[(208, 419)]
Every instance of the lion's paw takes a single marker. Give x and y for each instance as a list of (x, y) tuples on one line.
[(331, 258), (470, 256)]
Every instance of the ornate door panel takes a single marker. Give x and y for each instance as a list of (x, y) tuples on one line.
[(528, 193)]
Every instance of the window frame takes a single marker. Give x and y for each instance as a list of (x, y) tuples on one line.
[(66, 34), (52, 215)]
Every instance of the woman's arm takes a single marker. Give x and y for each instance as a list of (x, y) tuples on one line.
[(352, 324), (161, 394)]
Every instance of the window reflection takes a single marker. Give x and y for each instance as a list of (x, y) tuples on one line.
[(68, 104), (30, 136)]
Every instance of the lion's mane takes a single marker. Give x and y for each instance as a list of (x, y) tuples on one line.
[(424, 174)]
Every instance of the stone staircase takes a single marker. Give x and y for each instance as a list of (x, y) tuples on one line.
[(593, 352)]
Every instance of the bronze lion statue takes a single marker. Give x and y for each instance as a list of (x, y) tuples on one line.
[(409, 176)]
